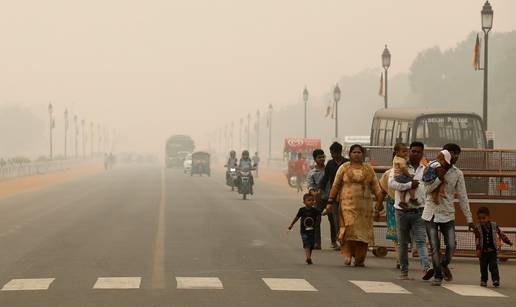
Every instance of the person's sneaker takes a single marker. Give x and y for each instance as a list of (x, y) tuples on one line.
[(404, 276), (334, 245), (447, 274), (398, 266), (309, 261), (496, 283), (437, 282), (483, 284), (403, 205), (428, 273)]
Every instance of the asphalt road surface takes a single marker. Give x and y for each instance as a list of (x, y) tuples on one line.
[(143, 236)]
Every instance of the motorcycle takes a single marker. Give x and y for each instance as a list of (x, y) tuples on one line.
[(245, 187), (231, 178)]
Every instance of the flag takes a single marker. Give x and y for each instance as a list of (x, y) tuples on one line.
[(380, 92), (268, 120), (333, 111), (476, 55), (328, 109), (53, 122)]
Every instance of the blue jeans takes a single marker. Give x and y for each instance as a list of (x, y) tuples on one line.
[(448, 231), (409, 224)]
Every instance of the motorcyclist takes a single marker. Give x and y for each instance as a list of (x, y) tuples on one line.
[(232, 163), (246, 164)]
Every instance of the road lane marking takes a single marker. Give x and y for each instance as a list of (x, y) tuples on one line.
[(28, 284), (379, 287), (471, 290), (118, 283), (288, 284), (199, 283), (158, 272)]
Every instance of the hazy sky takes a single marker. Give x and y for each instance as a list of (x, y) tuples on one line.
[(151, 68)]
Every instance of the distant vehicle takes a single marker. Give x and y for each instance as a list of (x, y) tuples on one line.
[(293, 149), (200, 163), (177, 148), (364, 140), (187, 165), (432, 127)]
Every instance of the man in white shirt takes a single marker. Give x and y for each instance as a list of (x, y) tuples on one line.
[(409, 221), (441, 217)]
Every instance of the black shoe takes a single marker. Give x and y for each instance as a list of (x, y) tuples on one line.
[(496, 283), (428, 273), (483, 284), (317, 247), (437, 282), (309, 261), (447, 274)]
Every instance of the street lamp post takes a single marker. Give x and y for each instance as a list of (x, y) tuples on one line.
[(66, 134), (487, 25), (386, 63), (269, 121), (258, 131), (305, 99), (336, 97), (83, 124), (232, 135), (92, 140), (51, 125), (75, 119), (249, 131)]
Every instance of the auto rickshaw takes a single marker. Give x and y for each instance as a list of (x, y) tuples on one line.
[(200, 163)]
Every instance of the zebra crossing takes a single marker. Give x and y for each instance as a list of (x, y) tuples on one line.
[(273, 284)]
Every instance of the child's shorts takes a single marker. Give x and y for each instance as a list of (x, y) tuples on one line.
[(403, 179), (308, 238)]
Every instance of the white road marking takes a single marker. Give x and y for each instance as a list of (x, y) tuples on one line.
[(199, 283), (118, 283), (471, 290), (288, 284), (379, 287), (28, 284)]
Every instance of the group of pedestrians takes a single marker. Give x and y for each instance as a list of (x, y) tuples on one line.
[(420, 205)]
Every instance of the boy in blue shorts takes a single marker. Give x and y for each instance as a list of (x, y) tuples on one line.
[(308, 215)]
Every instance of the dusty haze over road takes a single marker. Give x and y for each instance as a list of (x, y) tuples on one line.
[(152, 68)]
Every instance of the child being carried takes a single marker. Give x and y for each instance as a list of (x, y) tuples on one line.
[(402, 175), (438, 169)]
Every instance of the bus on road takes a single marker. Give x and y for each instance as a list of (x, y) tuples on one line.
[(432, 127)]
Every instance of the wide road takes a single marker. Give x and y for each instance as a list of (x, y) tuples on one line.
[(143, 236)]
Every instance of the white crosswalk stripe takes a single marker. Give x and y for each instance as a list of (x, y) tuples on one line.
[(379, 287), (28, 284), (206, 283), (470, 290), (288, 284), (118, 283)]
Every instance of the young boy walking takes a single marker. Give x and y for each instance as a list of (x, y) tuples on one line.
[(308, 215), (487, 234)]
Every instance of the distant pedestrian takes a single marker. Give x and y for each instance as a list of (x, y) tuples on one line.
[(487, 234), (329, 177), (308, 215), (441, 217), (314, 177)]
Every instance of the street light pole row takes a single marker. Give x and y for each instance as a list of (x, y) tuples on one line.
[(76, 133)]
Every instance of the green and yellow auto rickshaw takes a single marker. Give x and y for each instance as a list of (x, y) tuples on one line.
[(200, 163)]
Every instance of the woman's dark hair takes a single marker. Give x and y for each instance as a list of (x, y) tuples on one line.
[(355, 146), (317, 153), (336, 147), (451, 147)]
